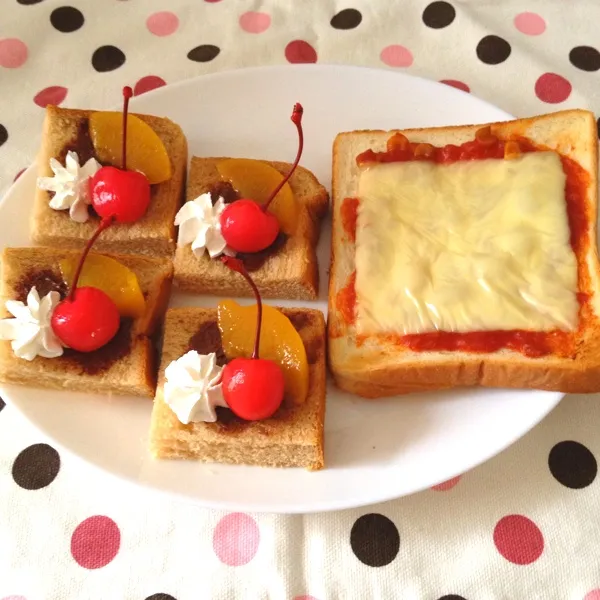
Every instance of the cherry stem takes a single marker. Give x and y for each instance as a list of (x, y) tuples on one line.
[(235, 264), (127, 93), (104, 224), (297, 120)]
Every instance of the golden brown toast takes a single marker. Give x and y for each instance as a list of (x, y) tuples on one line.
[(125, 366), (375, 367), (291, 272), (153, 235), (293, 437)]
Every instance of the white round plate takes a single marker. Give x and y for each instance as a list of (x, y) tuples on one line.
[(374, 450)]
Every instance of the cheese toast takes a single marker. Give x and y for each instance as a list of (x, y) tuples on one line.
[(292, 437), (383, 363), (289, 271)]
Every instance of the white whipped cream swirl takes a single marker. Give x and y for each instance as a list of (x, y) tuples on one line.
[(71, 186), (199, 224), (193, 387), (30, 330)]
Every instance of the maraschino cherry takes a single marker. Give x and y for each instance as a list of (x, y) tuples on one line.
[(252, 387), (246, 226), (88, 318), (119, 193)]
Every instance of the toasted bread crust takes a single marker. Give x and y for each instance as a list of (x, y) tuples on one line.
[(375, 369), (293, 437), (132, 374), (153, 235), (291, 273)]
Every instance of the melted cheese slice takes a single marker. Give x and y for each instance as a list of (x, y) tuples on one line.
[(470, 246)]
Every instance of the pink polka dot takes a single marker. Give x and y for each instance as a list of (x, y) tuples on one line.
[(300, 51), (13, 53), (593, 595), (212, 1), (19, 174), (162, 23), (518, 539), (304, 598), (396, 56), (20, 598), (235, 540), (459, 85), (552, 88), (530, 23), (446, 485), (95, 542), (145, 84), (255, 22), (54, 94)]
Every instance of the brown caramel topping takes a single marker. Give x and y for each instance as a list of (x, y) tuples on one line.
[(44, 280), (223, 189)]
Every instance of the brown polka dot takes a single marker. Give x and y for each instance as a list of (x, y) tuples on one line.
[(585, 58), (493, 50), (36, 467), (204, 53), (349, 18), (438, 15), (375, 540)]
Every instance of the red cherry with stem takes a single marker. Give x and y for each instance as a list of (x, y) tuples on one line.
[(119, 193), (247, 230), (252, 387), (87, 318), (86, 322), (248, 212)]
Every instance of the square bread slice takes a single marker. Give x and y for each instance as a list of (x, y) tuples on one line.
[(153, 235), (290, 273), (379, 365), (293, 437), (125, 366)]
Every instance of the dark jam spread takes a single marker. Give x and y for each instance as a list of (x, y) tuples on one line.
[(223, 189), (529, 343), (208, 339), (44, 281), (102, 359), (252, 260), (81, 143)]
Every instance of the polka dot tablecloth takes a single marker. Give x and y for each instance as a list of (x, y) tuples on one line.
[(526, 525)]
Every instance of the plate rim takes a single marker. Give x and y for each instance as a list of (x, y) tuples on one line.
[(306, 507)]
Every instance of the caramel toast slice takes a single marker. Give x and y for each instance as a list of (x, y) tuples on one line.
[(125, 366), (286, 270), (154, 235), (292, 437)]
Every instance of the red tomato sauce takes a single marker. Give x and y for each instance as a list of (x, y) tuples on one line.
[(528, 343)]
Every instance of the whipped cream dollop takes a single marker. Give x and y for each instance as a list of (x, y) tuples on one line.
[(199, 224), (71, 186), (30, 330), (193, 387)]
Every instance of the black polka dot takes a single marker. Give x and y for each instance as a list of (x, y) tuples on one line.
[(493, 50), (36, 467), (438, 15), (585, 58), (66, 19), (28, 2), (161, 596), (3, 134), (572, 464), (452, 597), (2, 404), (349, 18), (107, 58), (375, 540), (204, 53)]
